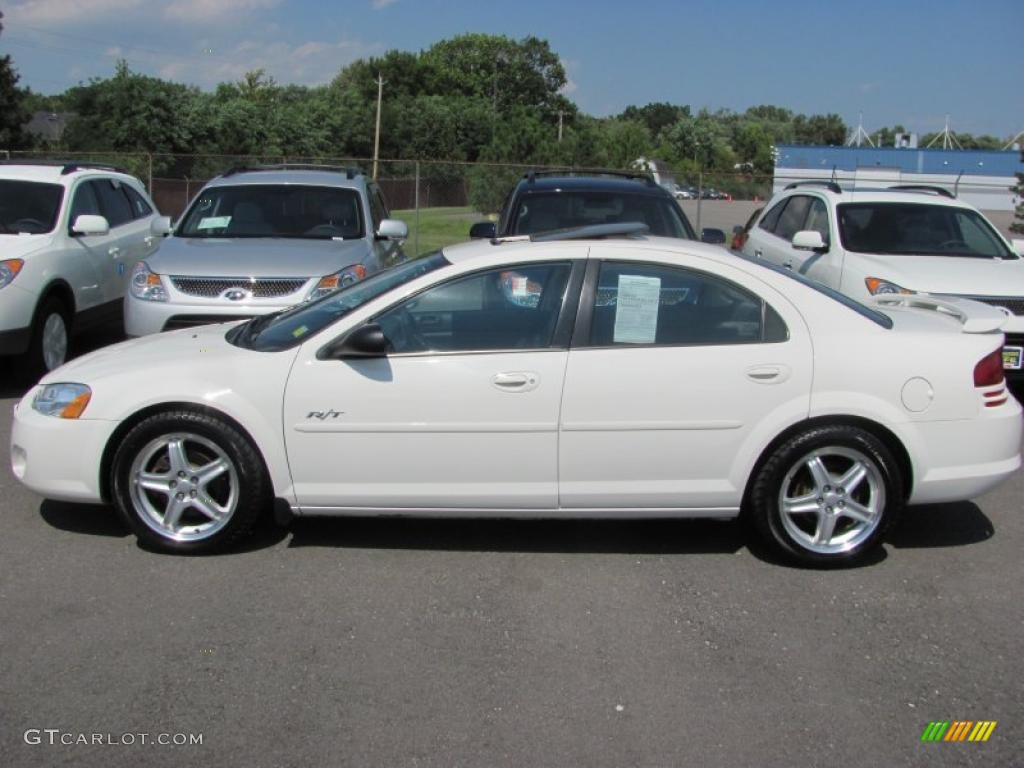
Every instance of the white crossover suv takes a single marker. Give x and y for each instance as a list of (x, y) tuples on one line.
[(901, 240), (259, 240), (69, 236), (631, 377)]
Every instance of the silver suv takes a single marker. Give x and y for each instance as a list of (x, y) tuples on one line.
[(258, 240)]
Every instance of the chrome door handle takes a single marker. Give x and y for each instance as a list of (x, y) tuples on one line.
[(114, 251), (148, 240), (516, 381), (758, 253), (788, 264)]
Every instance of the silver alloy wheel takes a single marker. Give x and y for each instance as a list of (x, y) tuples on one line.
[(54, 341), (184, 486), (832, 499)]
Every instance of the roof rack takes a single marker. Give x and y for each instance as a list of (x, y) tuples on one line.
[(65, 166), (531, 176), (830, 185), (350, 171), (593, 231), (923, 188)]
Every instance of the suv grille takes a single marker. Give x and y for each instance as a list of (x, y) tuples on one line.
[(261, 287), (1013, 303)]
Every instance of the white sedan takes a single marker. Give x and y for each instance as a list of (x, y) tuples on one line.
[(628, 376)]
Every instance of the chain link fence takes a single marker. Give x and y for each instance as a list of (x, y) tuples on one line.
[(440, 200)]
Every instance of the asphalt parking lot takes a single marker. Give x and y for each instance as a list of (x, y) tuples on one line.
[(489, 643)]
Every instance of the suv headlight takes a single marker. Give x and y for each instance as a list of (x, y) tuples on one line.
[(340, 279), (65, 401), (9, 269), (877, 286), (146, 284)]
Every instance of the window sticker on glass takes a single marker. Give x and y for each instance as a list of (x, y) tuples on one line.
[(636, 311), (299, 332), (214, 222)]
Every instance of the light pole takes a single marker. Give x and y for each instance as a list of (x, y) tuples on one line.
[(376, 135)]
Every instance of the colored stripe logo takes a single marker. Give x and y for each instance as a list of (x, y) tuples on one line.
[(958, 730)]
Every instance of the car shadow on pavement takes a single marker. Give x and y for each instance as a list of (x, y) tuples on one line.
[(503, 535), (88, 519), (956, 524)]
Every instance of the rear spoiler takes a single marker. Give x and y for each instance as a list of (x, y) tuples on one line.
[(974, 316)]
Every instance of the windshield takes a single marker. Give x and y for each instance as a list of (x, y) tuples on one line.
[(274, 210), (270, 333), (546, 211), (28, 207), (919, 229)]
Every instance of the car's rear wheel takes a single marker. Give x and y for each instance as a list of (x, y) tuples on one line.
[(827, 495), (189, 482), (51, 333)]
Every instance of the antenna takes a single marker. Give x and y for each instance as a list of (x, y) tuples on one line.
[(949, 140), (1014, 140), (860, 134)]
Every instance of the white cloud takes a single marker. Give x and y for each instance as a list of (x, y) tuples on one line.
[(307, 63), (54, 12), (378, 4), (203, 11)]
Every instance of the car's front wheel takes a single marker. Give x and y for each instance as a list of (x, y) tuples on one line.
[(189, 482), (51, 333), (827, 495)]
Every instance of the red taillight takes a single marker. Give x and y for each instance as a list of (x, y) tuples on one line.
[(989, 370), (739, 240)]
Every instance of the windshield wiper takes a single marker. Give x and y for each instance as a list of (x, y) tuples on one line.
[(254, 327)]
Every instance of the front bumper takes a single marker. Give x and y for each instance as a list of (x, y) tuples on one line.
[(15, 341), (58, 458), (16, 309), (142, 318)]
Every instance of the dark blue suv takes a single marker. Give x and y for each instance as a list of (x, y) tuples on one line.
[(543, 202)]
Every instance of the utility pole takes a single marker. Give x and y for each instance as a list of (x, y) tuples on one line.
[(560, 113), (376, 135)]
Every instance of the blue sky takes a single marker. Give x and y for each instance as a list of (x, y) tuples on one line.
[(903, 62)]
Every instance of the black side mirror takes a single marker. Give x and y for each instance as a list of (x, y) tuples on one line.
[(368, 340), (712, 235), (483, 230)]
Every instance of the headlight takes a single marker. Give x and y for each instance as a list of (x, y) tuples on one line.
[(146, 284), (340, 279), (9, 269), (66, 401), (877, 286)]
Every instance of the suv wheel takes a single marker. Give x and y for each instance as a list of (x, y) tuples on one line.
[(51, 332)]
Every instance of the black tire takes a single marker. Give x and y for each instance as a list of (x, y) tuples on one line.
[(36, 364), (206, 440), (799, 535)]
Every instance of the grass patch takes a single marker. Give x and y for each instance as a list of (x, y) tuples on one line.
[(437, 228)]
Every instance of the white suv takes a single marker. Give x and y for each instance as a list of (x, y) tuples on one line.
[(69, 235), (902, 240)]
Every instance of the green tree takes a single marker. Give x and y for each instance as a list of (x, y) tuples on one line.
[(130, 112), (657, 116), (13, 112), (825, 130), (525, 73)]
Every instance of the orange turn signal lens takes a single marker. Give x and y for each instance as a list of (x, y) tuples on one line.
[(75, 408)]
